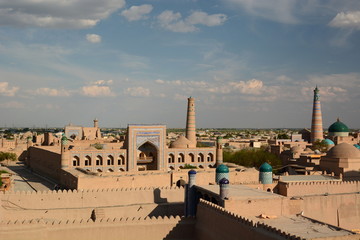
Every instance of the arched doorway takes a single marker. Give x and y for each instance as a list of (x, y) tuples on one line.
[(147, 157)]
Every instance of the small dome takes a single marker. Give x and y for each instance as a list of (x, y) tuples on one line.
[(343, 150), (181, 142), (357, 146), (222, 169), (265, 167), (328, 142), (338, 127), (308, 150), (64, 140), (191, 172), (224, 181), (296, 149)]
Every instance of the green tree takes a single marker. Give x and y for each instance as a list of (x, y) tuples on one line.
[(283, 136), (320, 145), (251, 158), (7, 156)]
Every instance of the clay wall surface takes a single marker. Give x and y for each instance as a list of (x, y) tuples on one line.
[(80, 204), (314, 188), (158, 178), (255, 207), (339, 210), (114, 228), (46, 162), (214, 222)]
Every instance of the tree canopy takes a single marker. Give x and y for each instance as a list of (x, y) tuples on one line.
[(7, 156), (251, 158)]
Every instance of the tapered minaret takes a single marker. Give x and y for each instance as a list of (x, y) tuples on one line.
[(316, 123), (190, 122)]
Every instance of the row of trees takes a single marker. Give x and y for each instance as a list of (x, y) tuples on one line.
[(252, 157), (7, 156)]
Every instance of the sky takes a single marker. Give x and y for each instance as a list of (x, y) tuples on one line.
[(248, 63)]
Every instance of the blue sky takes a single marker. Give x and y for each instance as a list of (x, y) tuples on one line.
[(248, 63)]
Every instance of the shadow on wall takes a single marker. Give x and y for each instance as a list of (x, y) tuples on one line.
[(164, 208), (157, 197), (184, 229)]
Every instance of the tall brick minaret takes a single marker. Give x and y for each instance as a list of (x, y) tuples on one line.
[(190, 122), (316, 123)]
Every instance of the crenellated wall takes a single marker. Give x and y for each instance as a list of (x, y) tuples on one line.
[(135, 202), (214, 222), (315, 188), (108, 228)]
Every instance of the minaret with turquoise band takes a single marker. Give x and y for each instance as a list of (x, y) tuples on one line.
[(316, 123), (191, 122)]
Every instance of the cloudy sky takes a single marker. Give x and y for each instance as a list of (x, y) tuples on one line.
[(248, 63)]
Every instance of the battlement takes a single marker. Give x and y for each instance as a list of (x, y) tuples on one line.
[(102, 190), (89, 221), (317, 188), (230, 221), (223, 211)]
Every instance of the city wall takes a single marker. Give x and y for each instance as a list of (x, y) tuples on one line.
[(101, 203), (336, 209), (46, 162), (151, 178), (314, 188), (214, 222), (110, 228)]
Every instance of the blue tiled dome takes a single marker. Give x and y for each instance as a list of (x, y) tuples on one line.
[(192, 171), (224, 181), (338, 127), (265, 167), (328, 142), (222, 169)]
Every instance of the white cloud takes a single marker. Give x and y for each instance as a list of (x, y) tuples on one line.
[(137, 92), (173, 21), (73, 14), (12, 104), (136, 13), (51, 92), (252, 86), (275, 10), (349, 19), (6, 91), (160, 81), (203, 18), (97, 91), (103, 82), (93, 38)]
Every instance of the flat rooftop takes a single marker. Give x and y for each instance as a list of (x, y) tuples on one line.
[(239, 192), (304, 227), (307, 178)]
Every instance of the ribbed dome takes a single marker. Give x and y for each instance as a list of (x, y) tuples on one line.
[(265, 167), (181, 142), (343, 150), (222, 169), (338, 127)]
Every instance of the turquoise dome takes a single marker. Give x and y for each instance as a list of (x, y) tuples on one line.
[(222, 169), (265, 167), (328, 142), (64, 140), (357, 146), (338, 127)]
